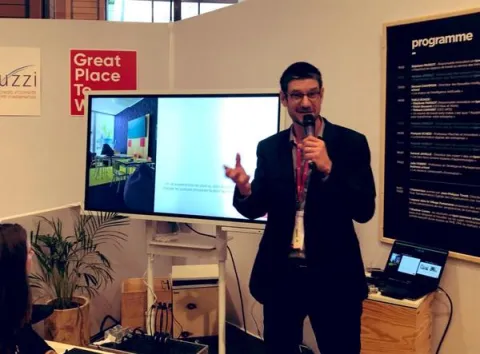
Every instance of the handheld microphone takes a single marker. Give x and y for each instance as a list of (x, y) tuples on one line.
[(309, 124), (309, 128)]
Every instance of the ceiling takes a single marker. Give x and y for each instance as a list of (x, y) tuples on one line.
[(113, 105)]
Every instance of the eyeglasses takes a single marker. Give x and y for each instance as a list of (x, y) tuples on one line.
[(298, 96)]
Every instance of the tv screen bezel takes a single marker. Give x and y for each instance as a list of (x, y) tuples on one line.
[(169, 217)]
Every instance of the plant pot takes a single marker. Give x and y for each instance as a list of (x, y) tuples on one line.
[(71, 326)]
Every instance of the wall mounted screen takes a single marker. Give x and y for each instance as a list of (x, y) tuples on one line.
[(163, 155)]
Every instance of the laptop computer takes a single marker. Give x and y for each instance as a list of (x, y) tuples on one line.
[(412, 270)]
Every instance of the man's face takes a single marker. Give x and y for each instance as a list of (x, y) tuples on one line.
[(302, 97)]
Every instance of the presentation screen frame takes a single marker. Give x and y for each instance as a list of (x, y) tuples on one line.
[(282, 123), (383, 114)]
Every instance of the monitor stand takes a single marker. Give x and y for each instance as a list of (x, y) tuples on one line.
[(185, 245), (191, 241)]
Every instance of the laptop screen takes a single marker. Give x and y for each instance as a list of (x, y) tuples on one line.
[(415, 263)]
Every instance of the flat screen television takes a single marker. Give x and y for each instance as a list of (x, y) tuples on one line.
[(161, 156)]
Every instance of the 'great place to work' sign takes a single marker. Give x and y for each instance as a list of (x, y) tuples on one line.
[(100, 70)]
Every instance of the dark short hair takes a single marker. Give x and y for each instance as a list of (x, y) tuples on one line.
[(297, 71)]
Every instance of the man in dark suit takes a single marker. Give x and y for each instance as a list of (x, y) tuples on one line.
[(309, 260)]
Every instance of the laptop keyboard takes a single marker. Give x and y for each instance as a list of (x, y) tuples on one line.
[(396, 292)]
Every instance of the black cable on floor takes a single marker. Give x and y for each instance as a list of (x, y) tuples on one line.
[(256, 323), (236, 274), (239, 289), (449, 319)]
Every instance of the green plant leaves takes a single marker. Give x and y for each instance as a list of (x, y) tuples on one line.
[(71, 264)]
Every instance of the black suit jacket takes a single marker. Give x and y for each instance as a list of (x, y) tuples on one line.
[(331, 245)]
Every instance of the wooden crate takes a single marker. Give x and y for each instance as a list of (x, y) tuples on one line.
[(395, 329), (134, 301)]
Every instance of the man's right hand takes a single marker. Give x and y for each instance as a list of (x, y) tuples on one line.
[(240, 177)]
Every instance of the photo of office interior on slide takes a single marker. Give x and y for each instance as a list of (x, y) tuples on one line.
[(121, 150)]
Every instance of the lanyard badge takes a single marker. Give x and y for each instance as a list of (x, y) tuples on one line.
[(301, 176)]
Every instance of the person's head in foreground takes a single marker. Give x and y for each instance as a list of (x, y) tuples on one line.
[(15, 302), (301, 90)]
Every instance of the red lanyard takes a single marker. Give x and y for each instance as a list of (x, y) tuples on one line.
[(302, 172)]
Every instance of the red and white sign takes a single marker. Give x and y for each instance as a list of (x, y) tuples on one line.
[(100, 70)]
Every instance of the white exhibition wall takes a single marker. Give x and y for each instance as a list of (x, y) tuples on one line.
[(243, 46), (43, 159), (250, 44), (45, 156)]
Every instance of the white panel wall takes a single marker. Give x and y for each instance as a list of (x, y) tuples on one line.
[(249, 45), (43, 158)]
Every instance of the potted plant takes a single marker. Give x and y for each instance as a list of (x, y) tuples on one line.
[(73, 269)]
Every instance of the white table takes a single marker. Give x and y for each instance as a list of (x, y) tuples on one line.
[(60, 348)]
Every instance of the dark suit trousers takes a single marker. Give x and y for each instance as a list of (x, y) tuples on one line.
[(335, 318)]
